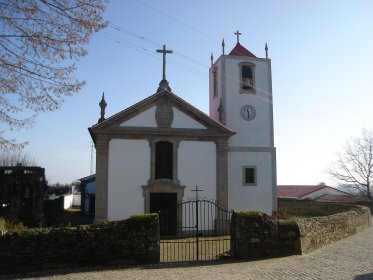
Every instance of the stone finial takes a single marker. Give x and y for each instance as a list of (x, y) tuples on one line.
[(266, 49), (223, 45), (163, 85), (103, 105), (212, 59)]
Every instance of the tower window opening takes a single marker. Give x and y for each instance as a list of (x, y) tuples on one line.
[(247, 77)]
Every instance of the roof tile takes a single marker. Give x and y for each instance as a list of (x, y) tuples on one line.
[(239, 50)]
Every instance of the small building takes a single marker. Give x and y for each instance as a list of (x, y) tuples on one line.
[(319, 192), (88, 190)]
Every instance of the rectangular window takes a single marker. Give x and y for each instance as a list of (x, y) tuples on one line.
[(249, 176), (163, 160)]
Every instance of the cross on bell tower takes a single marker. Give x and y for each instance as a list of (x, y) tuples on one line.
[(164, 84), (238, 36)]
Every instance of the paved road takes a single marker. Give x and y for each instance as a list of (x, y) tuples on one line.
[(350, 258)]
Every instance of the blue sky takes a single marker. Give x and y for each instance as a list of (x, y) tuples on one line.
[(322, 57)]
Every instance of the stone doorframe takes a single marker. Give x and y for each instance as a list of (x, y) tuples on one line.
[(161, 186)]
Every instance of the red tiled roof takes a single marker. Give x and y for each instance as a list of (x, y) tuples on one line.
[(239, 50), (295, 191)]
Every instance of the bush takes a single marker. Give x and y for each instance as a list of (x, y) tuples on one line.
[(11, 224), (2, 225)]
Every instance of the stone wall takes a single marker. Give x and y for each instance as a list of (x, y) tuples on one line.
[(255, 235), (132, 241), (306, 208), (317, 232)]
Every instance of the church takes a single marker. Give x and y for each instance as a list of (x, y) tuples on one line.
[(154, 153)]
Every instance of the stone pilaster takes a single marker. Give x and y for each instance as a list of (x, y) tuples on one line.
[(222, 173), (102, 158)]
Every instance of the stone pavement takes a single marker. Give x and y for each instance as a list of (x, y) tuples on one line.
[(350, 258)]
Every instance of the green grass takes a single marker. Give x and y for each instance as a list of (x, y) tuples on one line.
[(73, 209)]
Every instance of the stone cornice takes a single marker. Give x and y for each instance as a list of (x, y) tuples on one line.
[(145, 132), (251, 149)]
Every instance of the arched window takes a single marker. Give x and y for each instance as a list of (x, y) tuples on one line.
[(163, 160)]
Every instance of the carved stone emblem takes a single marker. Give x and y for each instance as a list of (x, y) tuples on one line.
[(164, 115)]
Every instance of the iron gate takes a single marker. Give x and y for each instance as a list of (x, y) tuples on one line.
[(195, 230)]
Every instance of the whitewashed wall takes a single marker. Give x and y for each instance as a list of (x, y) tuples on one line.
[(257, 132), (129, 169), (77, 200), (215, 100), (259, 197), (181, 120), (197, 166), (68, 201), (145, 119)]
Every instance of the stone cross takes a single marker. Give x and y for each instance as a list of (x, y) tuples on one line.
[(164, 51), (238, 36), (197, 190)]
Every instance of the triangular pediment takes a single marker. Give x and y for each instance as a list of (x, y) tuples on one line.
[(143, 119), (152, 118), (162, 112)]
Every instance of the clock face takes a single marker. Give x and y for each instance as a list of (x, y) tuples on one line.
[(248, 112)]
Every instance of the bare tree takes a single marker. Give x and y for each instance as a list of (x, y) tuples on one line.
[(354, 165), (16, 157), (40, 40)]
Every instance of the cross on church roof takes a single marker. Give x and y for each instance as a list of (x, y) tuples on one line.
[(164, 51), (164, 84), (238, 36)]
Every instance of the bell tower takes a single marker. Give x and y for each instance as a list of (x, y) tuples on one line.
[(241, 99)]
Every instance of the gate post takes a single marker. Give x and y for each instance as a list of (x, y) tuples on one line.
[(197, 228), (233, 234)]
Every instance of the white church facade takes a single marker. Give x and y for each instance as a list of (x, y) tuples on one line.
[(153, 154)]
